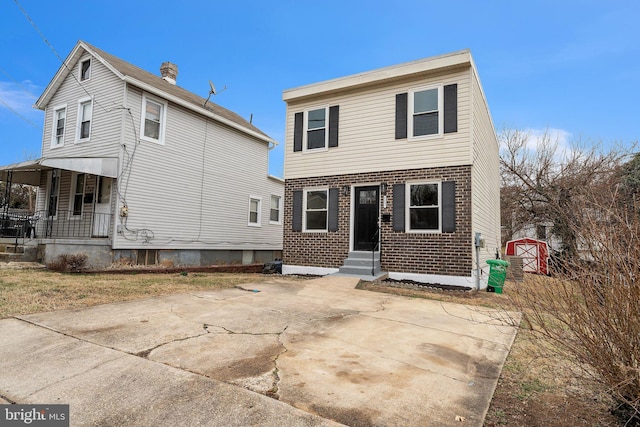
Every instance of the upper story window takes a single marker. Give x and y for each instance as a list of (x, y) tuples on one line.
[(426, 106), (316, 207), (254, 211), (427, 112), (59, 123), (85, 111), (153, 119), (424, 205), (85, 70), (316, 129), (274, 214)]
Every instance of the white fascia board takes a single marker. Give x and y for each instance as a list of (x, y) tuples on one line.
[(192, 107), (388, 73)]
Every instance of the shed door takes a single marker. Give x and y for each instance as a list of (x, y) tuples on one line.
[(529, 254), (366, 218)]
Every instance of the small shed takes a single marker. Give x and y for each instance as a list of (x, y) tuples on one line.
[(534, 254)]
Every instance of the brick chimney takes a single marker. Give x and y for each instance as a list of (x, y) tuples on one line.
[(169, 72)]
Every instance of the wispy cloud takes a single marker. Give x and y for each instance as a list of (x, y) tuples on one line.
[(18, 96)]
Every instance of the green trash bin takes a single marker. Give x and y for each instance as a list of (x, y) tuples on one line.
[(497, 275)]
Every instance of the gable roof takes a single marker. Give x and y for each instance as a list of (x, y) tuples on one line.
[(151, 83), (449, 61)]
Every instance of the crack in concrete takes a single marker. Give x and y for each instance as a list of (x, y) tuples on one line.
[(145, 353), (6, 399), (206, 327), (276, 370)]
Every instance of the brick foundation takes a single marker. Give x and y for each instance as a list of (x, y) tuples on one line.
[(421, 253)]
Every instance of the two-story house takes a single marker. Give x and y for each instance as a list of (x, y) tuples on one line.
[(393, 170), (134, 168)]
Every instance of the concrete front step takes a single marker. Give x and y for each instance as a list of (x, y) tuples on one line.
[(13, 249), (361, 263), (10, 257)]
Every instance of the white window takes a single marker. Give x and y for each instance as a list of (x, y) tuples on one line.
[(254, 211), (54, 189), (274, 214), (77, 194), (426, 106), (59, 123), (85, 70), (153, 119), (316, 132), (316, 207), (85, 111), (424, 207)]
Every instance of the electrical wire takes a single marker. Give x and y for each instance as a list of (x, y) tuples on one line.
[(55, 52), (18, 114), (20, 85)]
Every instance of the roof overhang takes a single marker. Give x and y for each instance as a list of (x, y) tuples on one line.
[(29, 172), (415, 68)]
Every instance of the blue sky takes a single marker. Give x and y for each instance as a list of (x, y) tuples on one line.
[(569, 66)]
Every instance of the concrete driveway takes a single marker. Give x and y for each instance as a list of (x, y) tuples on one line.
[(283, 353)]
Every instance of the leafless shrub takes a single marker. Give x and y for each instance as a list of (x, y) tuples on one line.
[(66, 263), (591, 310)]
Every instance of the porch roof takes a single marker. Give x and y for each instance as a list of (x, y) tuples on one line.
[(29, 172)]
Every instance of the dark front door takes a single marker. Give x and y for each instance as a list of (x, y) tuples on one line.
[(366, 218)]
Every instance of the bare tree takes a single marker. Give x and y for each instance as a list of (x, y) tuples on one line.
[(541, 177), (590, 310)]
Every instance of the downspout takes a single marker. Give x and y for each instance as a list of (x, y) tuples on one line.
[(477, 240)]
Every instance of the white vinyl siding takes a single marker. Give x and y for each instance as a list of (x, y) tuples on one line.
[(106, 123), (485, 175), (367, 133), (207, 189)]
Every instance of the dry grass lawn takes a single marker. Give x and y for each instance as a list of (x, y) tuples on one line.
[(536, 388), (32, 291)]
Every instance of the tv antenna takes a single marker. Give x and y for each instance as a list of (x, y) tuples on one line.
[(212, 91)]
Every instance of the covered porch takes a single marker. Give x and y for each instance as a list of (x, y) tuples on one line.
[(75, 199)]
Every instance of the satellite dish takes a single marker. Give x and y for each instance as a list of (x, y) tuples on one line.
[(212, 91)]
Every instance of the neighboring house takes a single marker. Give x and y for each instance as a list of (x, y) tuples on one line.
[(392, 170), (136, 169)]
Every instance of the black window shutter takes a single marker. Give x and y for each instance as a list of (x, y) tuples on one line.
[(448, 207), (451, 108), (296, 222), (333, 209), (401, 115), (398, 207), (298, 124), (334, 113)]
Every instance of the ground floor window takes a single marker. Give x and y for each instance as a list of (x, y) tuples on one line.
[(316, 208), (254, 211), (424, 207)]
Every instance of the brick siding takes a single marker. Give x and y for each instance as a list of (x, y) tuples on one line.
[(424, 253)]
